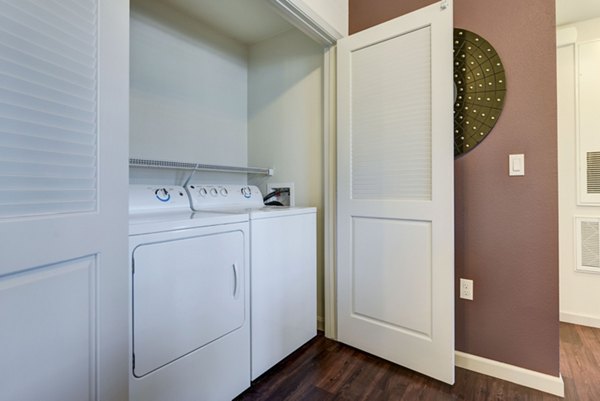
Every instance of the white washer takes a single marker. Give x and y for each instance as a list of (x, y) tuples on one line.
[(283, 270), (190, 316)]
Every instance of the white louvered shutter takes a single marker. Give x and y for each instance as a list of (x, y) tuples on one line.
[(391, 125), (48, 107)]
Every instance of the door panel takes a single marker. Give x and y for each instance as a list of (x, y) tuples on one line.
[(395, 191), (49, 305), (387, 253)]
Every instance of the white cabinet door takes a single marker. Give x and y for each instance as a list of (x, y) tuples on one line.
[(63, 208), (395, 191)]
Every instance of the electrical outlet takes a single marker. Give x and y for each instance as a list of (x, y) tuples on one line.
[(466, 289)]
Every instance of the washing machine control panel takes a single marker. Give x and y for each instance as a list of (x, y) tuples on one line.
[(149, 198), (209, 196)]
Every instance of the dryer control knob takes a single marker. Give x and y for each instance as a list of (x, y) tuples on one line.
[(162, 195), (214, 192), (224, 192), (203, 192), (247, 192)]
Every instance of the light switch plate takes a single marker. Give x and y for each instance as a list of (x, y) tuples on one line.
[(516, 165)]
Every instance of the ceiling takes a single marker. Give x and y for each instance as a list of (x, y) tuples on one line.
[(247, 21), (569, 11)]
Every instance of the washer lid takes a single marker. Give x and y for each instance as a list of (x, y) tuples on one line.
[(268, 212), (152, 222)]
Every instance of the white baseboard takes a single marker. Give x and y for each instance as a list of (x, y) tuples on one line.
[(583, 320), (513, 374), (320, 323)]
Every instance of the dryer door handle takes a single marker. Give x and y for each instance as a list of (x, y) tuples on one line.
[(235, 280)]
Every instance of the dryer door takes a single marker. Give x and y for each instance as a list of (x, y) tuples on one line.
[(186, 294)]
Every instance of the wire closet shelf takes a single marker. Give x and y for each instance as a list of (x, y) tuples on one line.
[(162, 164)]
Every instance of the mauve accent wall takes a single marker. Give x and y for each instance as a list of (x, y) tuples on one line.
[(506, 227)]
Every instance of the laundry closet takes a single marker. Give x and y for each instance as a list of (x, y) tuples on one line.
[(224, 85)]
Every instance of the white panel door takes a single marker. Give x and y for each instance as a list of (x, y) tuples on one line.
[(63, 208), (395, 272)]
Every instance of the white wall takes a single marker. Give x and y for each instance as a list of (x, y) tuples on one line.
[(188, 89), (285, 121), (579, 292), (334, 12)]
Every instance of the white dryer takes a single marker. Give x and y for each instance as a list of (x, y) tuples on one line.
[(190, 316), (282, 265)]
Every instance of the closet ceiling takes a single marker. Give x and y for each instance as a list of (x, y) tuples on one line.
[(569, 11), (247, 21)]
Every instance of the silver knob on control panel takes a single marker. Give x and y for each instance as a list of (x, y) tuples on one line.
[(214, 192), (247, 192), (203, 192), (224, 192)]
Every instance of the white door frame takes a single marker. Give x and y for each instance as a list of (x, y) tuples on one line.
[(305, 19), (329, 190)]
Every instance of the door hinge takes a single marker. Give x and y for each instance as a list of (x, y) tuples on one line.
[(443, 5)]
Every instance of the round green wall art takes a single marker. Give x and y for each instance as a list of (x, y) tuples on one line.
[(479, 89)]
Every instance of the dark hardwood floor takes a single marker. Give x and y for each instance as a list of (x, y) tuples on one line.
[(324, 370)]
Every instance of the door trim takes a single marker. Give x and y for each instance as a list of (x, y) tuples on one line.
[(329, 190), (302, 17), (299, 14)]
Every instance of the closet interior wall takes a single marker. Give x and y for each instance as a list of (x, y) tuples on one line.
[(285, 123), (188, 94)]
